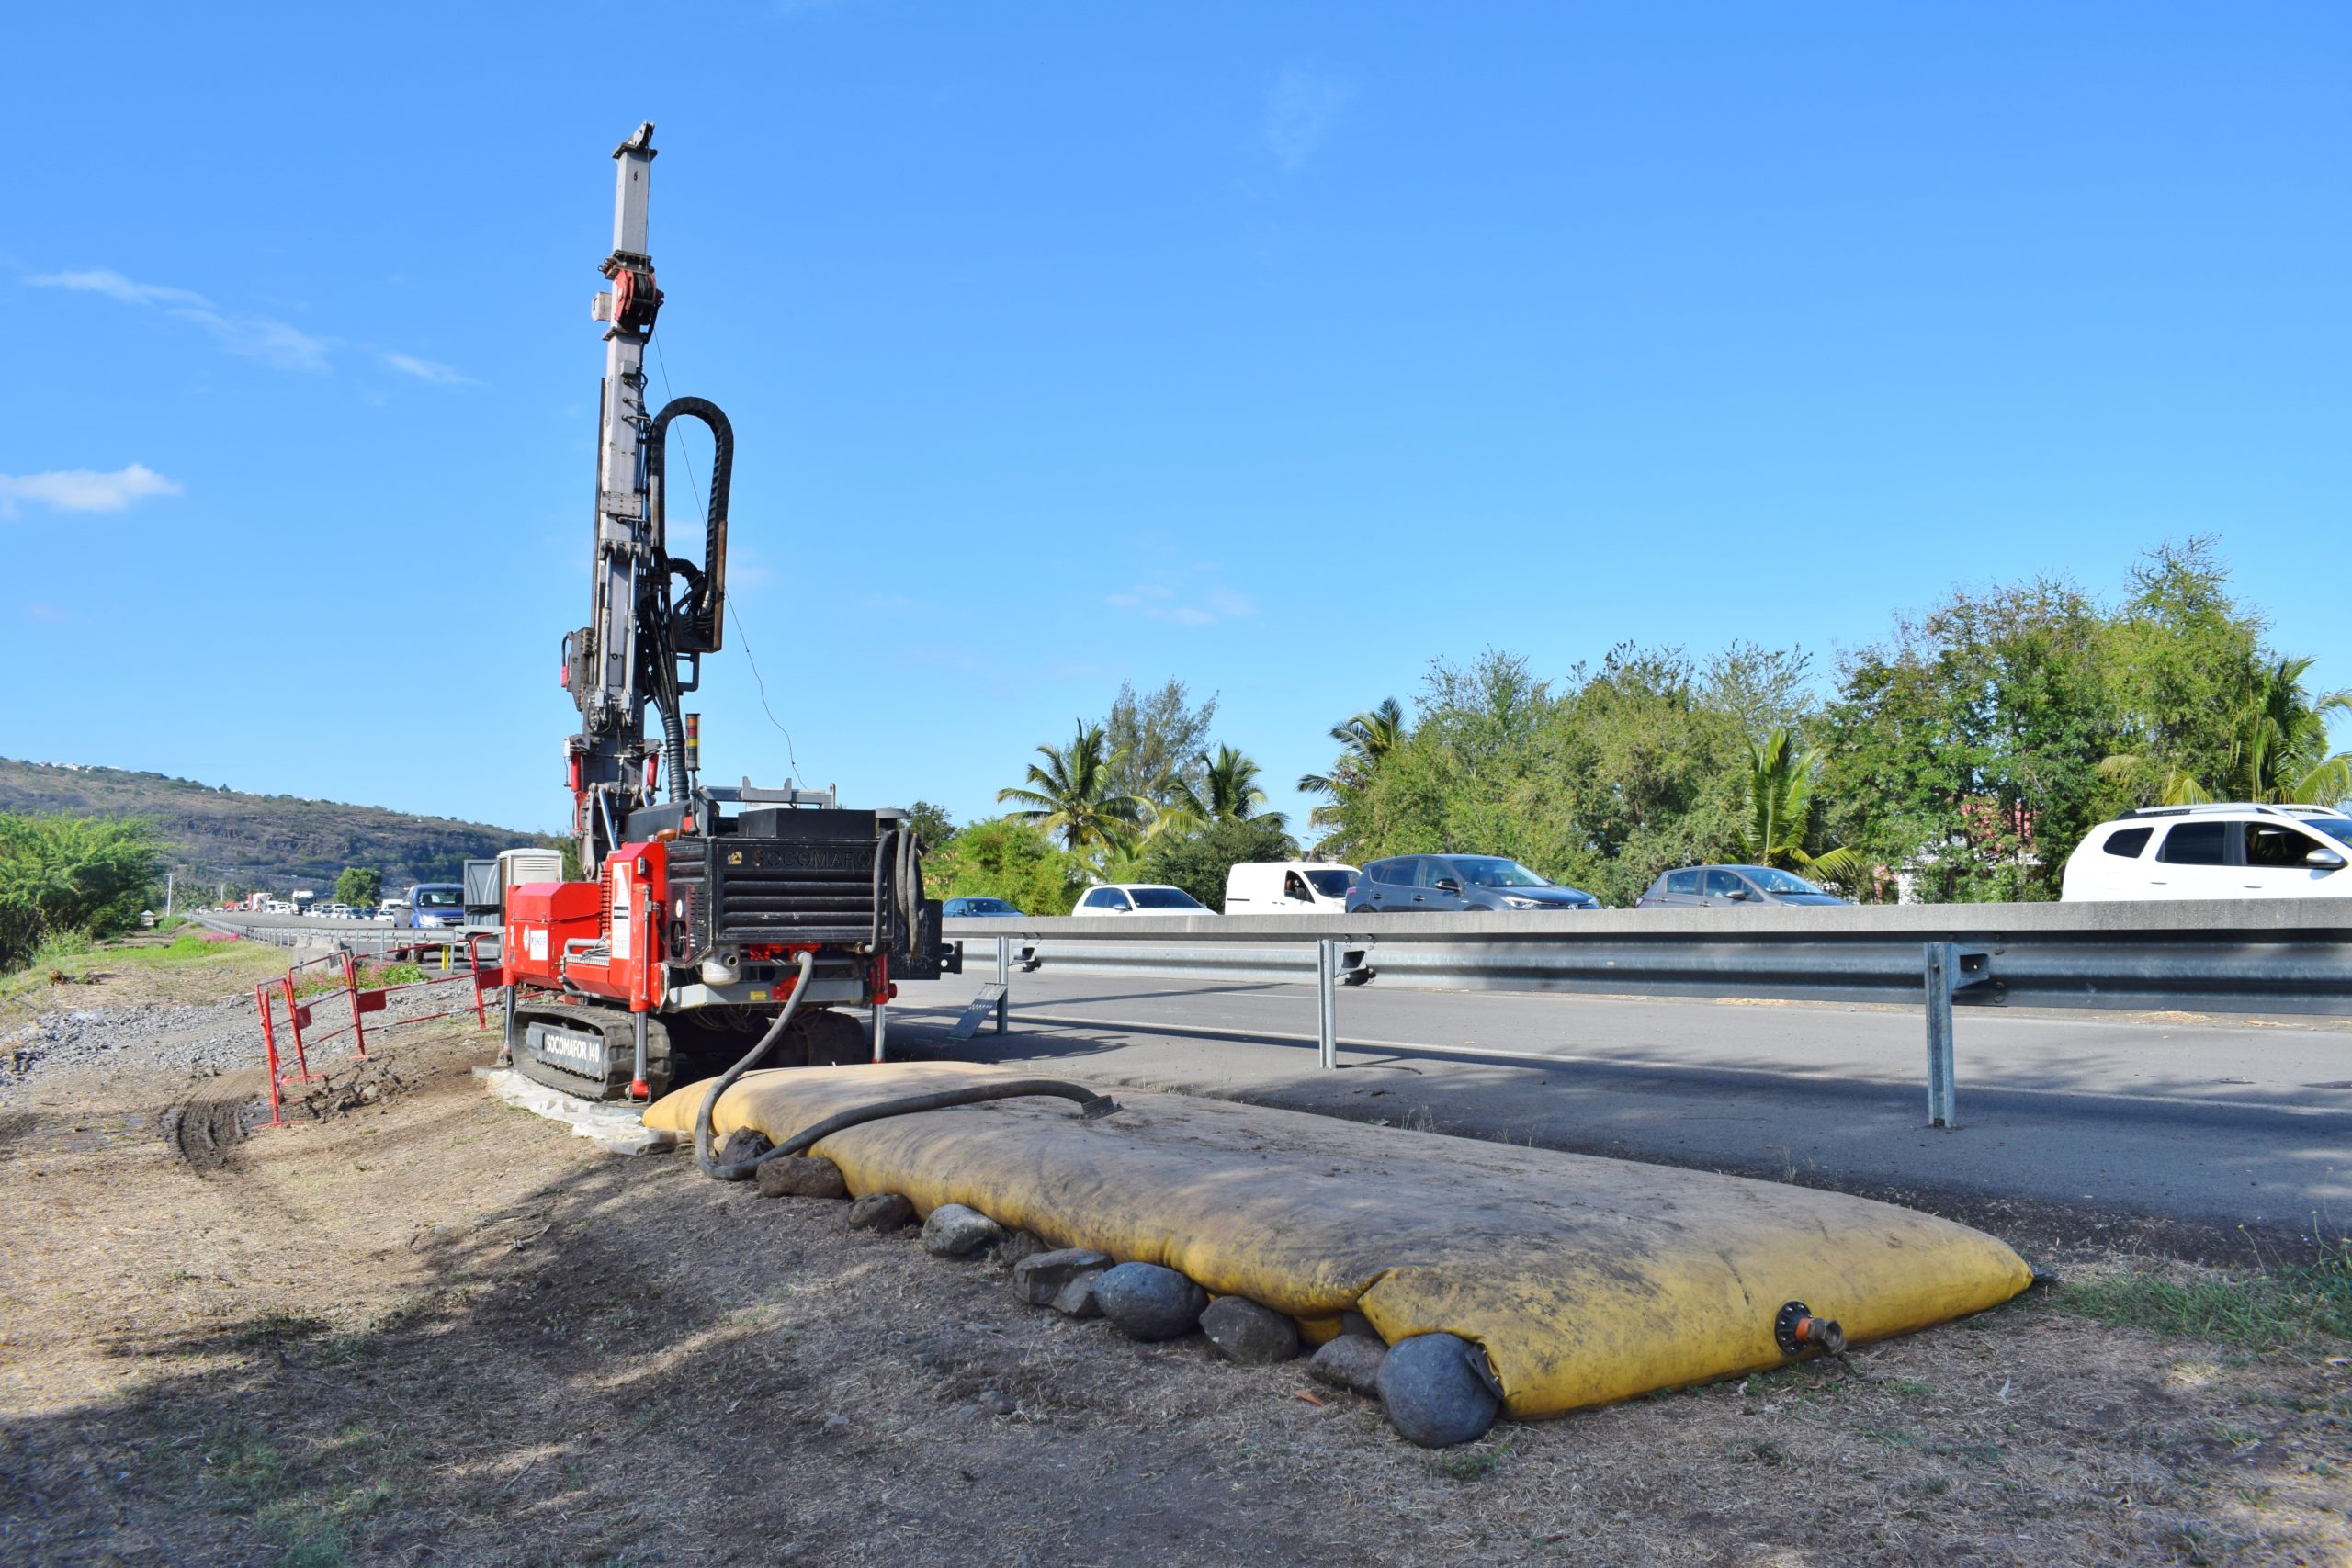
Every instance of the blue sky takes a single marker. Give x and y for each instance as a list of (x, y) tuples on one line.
[(1278, 349)]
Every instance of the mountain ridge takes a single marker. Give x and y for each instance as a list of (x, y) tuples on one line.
[(266, 840)]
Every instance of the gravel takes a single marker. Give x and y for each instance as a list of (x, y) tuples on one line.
[(171, 1039), (194, 1041)]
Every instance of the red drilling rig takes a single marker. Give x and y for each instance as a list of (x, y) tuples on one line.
[(708, 908)]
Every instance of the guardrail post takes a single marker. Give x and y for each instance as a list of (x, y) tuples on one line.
[(1004, 982), (1326, 1001), (1942, 972)]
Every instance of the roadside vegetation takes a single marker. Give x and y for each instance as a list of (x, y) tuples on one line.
[(68, 881)]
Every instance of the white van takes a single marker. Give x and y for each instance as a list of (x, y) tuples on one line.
[(1288, 887), (2221, 851)]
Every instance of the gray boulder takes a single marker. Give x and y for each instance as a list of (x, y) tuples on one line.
[(793, 1177), (881, 1211), (1144, 1300), (1245, 1331), (955, 1231), (1077, 1298), (1039, 1278), (1018, 1245), (1352, 1361), (1439, 1391)]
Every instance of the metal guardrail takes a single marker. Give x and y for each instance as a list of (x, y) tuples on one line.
[(2271, 955), (357, 937)]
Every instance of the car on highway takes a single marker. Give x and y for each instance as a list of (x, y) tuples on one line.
[(1732, 887), (2224, 849), (1436, 885), (1138, 898), (338, 912), (971, 908), (1288, 887), (434, 904)]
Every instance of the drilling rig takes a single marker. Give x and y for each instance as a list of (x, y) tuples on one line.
[(706, 908)]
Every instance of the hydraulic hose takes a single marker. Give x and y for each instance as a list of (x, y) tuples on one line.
[(911, 886), (741, 1169), (708, 589), (1091, 1106)]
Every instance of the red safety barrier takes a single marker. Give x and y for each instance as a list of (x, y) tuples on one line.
[(361, 1000)]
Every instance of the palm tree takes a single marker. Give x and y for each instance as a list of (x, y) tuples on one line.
[(1780, 811), (1365, 739), (2277, 747), (1228, 793), (1072, 794)]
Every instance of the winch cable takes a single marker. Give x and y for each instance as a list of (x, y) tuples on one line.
[(1091, 1104)]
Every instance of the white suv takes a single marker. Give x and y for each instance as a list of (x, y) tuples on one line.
[(2221, 851)]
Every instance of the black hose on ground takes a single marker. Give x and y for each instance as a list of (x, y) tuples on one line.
[(740, 1170), (1091, 1104)]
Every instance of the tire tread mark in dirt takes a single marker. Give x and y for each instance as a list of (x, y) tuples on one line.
[(206, 1129)]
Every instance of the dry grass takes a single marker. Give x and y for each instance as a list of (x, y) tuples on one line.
[(434, 1329)]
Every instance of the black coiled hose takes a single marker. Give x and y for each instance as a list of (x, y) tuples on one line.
[(1091, 1104)]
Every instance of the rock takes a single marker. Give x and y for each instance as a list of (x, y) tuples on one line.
[(1439, 1391), (1245, 1331), (955, 1231), (880, 1212), (1042, 1276), (1352, 1361), (1144, 1300), (1077, 1298), (1018, 1245), (742, 1144), (836, 1421), (996, 1404), (792, 1177), (1357, 1323)]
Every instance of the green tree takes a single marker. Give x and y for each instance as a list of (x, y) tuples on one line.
[(1073, 793), (1154, 742), (62, 875), (1198, 862), (359, 886), (1780, 812), (1228, 792), (2276, 751), (1968, 751), (1004, 857), (1364, 738), (933, 825)]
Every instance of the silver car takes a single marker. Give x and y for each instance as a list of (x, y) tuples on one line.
[(1731, 886)]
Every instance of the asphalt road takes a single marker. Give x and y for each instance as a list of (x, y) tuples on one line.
[(2209, 1135)]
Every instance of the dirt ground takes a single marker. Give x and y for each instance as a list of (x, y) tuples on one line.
[(424, 1327)]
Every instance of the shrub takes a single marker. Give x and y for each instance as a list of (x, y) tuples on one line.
[(71, 874)]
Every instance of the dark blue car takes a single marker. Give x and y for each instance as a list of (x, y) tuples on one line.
[(971, 908), (1427, 884)]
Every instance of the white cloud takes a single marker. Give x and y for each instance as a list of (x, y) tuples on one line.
[(83, 490), (1300, 112), (427, 369), (258, 337), (114, 286), (273, 342), (1158, 602)]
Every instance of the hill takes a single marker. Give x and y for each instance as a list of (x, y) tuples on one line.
[(266, 840)]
